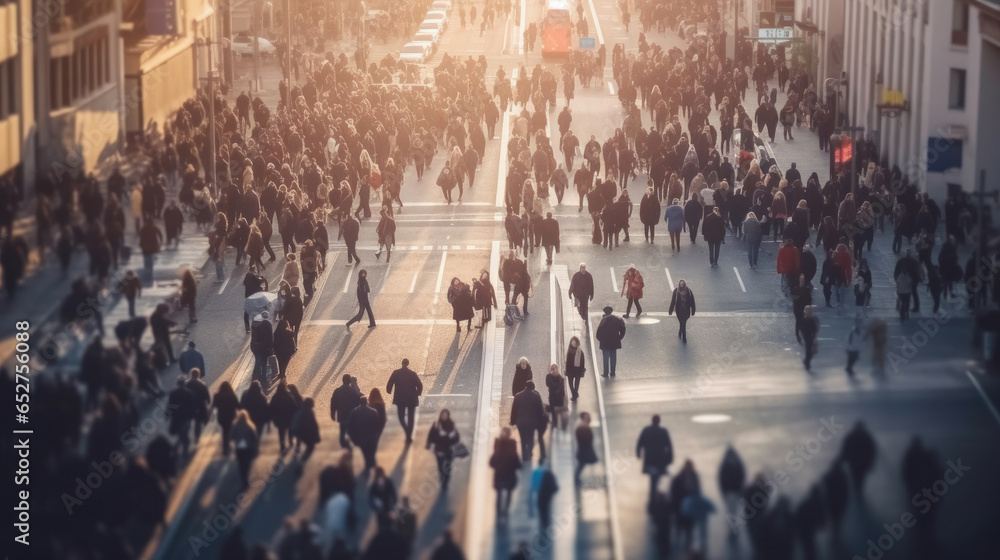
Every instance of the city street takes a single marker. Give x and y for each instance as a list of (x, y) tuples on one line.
[(737, 381)]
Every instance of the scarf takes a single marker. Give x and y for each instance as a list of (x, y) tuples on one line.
[(578, 357)]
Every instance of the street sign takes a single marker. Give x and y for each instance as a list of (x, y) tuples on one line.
[(588, 43), (775, 34), (161, 17)]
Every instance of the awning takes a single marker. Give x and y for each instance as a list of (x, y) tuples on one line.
[(807, 26)]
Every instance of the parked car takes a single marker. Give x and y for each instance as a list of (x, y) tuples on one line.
[(416, 53), (442, 5), (435, 15), (435, 28), (426, 38), (243, 46)]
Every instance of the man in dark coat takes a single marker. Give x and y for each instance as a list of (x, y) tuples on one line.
[(550, 236), (581, 287), (190, 359), (181, 406), (657, 453), (150, 239), (714, 231), (408, 389), (363, 428), (349, 230), (528, 414), (261, 344), (344, 400), (610, 333), (200, 398)]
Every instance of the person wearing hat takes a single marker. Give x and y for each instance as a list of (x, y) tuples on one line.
[(610, 333)]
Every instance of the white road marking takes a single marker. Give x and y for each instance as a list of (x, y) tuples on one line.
[(319, 287), (413, 283), (669, 279), (347, 283), (740, 278), (449, 395), (408, 474), (611, 88), (614, 281), (986, 399), (222, 288), (402, 322), (440, 278), (385, 278), (616, 536), (600, 41)]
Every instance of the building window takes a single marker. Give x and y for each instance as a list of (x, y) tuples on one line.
[(943, 154), (960, 23), (67, 81), (4, 88), (956, 90), (12, 83)]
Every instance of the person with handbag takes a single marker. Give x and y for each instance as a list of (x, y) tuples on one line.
[(556, 385), (442, 439)]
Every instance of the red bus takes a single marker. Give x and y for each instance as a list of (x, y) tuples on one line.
[(557, 29)]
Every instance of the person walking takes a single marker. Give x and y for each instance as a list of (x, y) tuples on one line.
[(550, 236), (255, 403), (343, 401), (364, 303), (904, 289), (810, 331), (543, 488), (225, 404), (732, 478), (854, 342), (556, 385), (693, 213), (253, 283), (485, 297), (261, 344), (528, 414), (245, 436), (649, 214), (189, 295), (788, 266), (682, 302), (632, 285), (714, 231), (381, 497), (463, 304), (441, 439), (130, 287), (863, 287), (585, 454), (191, 359), (282, 408), (610, 333), (285, 344), (505, 464), (674, 216), (386, 232), (657, 453), (306, 429), (407, 397), (181, 406), (150, 241), (160, 324), (753, 235), (522, 375), (201, 401), (350, 229), (575, 366), (581, 291), (363, 429)]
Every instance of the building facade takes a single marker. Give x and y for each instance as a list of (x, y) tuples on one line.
[(985, 16), (77, 78), (17, 94), (820, 26)]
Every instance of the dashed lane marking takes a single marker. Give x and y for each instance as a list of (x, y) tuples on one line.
[(740, 278)]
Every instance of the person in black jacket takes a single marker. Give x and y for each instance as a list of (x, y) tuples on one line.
[(363, 429), (682, 301), (656, 451), (160, 325), (715, 233), (693, 212), (649, 214), (408, 388), (261, 344), (581, 287), (344, 400), (549, 228), (349, 230), (284, 345), (527, 413), (441, 439), (150, 239), (181, 405), (610, 333), (201, 399), (364, 304), (252, 283)]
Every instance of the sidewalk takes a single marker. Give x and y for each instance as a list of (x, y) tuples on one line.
[(803, 150)]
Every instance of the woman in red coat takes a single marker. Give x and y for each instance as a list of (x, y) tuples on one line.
[(632, 286), (788, 265), (845, 263)]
